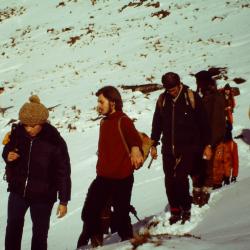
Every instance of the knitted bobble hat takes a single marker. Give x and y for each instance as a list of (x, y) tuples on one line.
[(33, 112)]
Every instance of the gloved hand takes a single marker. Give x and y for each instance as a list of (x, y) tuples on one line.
[(226, 180), (234, 179)]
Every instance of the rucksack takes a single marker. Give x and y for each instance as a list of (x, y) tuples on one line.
[(9, 169), (189, 96), (147, 142)]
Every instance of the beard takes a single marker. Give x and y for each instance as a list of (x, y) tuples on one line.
[(108, 112)]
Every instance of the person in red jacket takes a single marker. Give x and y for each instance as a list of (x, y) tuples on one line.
[(114, 168)]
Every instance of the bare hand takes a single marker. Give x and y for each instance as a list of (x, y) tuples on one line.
[(61, 211), (136, 157), (12, 156), (207, 154), (153, 152)]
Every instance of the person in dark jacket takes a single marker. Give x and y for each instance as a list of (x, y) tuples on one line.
[(181, 120), (214, 104), (38, 169), (115, 167)]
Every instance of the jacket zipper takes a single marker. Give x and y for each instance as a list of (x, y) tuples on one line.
[(173, 117), (28, 170)]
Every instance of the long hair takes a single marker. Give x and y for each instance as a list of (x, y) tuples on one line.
[(205, 82), (113, 95)]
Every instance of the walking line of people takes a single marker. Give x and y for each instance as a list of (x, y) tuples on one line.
[(194, 129)]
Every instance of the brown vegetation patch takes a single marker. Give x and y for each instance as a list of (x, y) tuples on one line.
[(73, 40), (61, 4), (10, 12), (239, 80), (245, 5), (155, 5), (144, 88), (161, 14), (67, 29), (217, 18), (157, 240), (132, 4)]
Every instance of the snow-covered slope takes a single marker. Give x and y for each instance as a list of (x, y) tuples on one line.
[(65, 50)]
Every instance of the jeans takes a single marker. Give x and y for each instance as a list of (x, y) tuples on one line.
[(40, 214)]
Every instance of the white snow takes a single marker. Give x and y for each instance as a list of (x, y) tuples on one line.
[(126, 47)]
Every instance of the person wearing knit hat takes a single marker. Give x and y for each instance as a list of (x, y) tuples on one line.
[(37, 171), (205, 82), (33, 112), (214, 104)]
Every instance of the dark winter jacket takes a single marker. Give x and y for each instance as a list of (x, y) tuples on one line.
[(113, 159), (184, 129), (43, 168), (214, 104)]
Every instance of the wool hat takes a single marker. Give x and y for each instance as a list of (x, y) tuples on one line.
[(33, 112), (170, 80), (203, 75), (205, 80)]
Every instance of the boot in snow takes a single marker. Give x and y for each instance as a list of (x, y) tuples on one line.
[(175, 216), (186, 215), (97, 240), (84, 237), (196, 196), (204, 199), (226, 180)]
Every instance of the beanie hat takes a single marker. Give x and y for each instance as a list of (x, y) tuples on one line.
[(170, 80), (203, 75), (205, 80), (34, 112)]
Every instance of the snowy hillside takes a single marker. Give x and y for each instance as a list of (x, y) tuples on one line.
[(65, 50)]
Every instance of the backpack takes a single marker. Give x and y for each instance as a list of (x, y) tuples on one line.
[(147, 142), (189, 96), (9, 169)]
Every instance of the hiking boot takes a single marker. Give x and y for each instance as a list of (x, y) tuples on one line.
[(126, 235), (97, 240), (186, 215), (226, 180), (174, 218), (84, 237), (204, 198), (196, 196), (175, 215)]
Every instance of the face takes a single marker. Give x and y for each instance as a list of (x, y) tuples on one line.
[(174, 91), (227, 91), (104, 106), (33, 130)]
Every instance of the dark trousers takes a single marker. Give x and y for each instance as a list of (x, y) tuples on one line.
[(100, 192), (176, 180), (202, 173), (40, 215)]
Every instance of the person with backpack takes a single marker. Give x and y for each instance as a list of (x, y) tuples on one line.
[(226, 163), (114, 168), (229, 102), (37, 170), (181, 120), (213, 101)]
